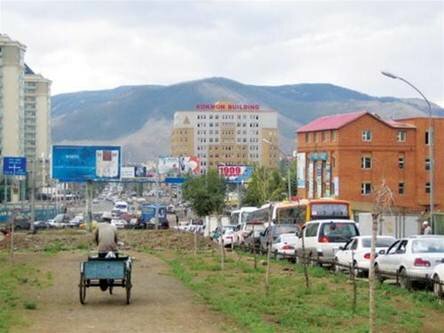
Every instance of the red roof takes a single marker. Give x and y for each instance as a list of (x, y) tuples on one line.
[(331, 122), (337, 121)]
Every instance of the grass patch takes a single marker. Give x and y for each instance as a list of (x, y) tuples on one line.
[(239, 293), (14, 279)]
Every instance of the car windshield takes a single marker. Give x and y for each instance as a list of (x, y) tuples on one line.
[(380, 242), (338, 231), (288, 238), (121, 206), (428, 246)]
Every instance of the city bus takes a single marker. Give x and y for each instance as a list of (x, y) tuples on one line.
[(279, 213), (324, 209), (239, 216)]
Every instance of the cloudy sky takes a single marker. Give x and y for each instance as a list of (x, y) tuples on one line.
[(86, 45)]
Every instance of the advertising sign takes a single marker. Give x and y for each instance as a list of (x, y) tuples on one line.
[(14, 166), (318, 179), (301, 170), (127, 172), (336, 186), (310, 180), (84, 163), (235, 173), (189, 164), (169, 165), (140, 171), (319, 156)]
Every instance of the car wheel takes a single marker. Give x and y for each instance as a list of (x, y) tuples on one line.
[(378, 276), (337, 267), (437, 287), (404, 280), (355, 270)]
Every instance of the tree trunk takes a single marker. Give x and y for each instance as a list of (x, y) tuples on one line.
[(304, 262), (222, 250), (267, 273), (372, 277)]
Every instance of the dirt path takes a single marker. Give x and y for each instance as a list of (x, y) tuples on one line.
[(160, 303)]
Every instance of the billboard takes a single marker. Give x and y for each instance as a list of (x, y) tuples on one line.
[(14, 166), (179, 165), (140, 171), (189, 164), (235, 173), (83, 163), (168, 165), (127, 172)]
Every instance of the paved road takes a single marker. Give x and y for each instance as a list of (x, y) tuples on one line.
[(160, 302)]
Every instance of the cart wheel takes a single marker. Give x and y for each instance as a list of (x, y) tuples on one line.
[(82, 289), (128, 288)]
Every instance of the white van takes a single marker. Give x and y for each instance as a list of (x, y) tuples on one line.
[(121, 206), (322, 238)]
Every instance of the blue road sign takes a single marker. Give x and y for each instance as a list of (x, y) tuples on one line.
[(14, 166), (174, 180), (84, 163)]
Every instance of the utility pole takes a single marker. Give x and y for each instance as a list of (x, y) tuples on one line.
[(430, 144), (156, 216), (32, 198)]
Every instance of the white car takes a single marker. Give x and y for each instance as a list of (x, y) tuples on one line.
[(322, 239), (119, 223), (284, 246), (58, 221), (228, 236), (357, 252), (438, 280), (76, 221), (411, 259)]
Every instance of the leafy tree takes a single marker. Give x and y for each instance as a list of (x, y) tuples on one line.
[(265, 185), (206, 193)]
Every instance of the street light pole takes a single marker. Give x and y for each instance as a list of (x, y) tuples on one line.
[(431, 144), (288, 167)]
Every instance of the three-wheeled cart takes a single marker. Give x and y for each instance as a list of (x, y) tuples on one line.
[(115, 271)]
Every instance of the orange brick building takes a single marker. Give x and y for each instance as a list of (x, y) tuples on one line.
[(347, 156)]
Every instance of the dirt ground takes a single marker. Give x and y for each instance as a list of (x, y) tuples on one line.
[(160, 303)]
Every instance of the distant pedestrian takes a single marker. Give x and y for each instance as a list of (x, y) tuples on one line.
[(427, 229)]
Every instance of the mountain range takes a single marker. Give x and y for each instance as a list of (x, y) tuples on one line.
[(140, 117)]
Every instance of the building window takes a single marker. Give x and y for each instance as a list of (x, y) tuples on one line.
[(366, 162), (366, 188), (401, 136), (427, 138), (427, 187), (401, 161), (367, 135), (401, 188), (333, 135), (307, 137), (324, 136), (427, 164)]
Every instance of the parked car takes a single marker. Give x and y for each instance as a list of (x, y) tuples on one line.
[(252, 241), (322, 238), (275, 230), (411, 259), (59, 221), (228, 235), (75, 221), (41, 225), (357, 253), (119, 223), (284, 246), (22, 223), (438, 280), (245, 230)]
